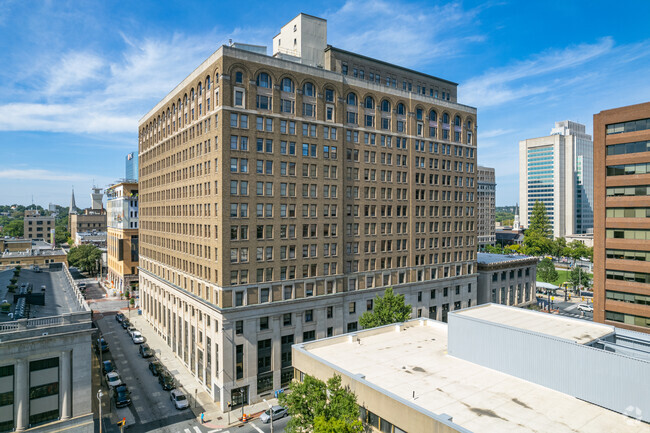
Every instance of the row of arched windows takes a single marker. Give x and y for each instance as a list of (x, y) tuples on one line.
[(183, 108)]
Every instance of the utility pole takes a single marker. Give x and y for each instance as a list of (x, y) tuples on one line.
[(99, 399)]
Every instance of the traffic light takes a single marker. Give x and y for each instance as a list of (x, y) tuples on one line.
[(121, 423)]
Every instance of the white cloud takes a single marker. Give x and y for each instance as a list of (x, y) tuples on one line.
[(509, 83), (74, 70), (494, 133), (42, 175), (405, 34)]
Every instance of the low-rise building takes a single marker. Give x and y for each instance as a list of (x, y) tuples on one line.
[(587, 239), (491, 369), (45, 357), (506, 279), (95, 238), (25, 252), (37, 226)]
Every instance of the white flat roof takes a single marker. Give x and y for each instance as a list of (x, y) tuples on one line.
[(478, 398), (580, 331)]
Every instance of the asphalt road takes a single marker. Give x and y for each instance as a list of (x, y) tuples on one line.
[(151, 409)]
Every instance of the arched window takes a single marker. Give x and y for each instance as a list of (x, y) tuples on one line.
[(263, 80), (173, 108), (400, 108), (192, 95), (185, 101), (352, 99), (308, 89), (433, 116), (385, 106), (457, 120), (445, 119), (207, 83), (286, 85), (239, 77), (216, 78), (370, 103), (200, 89), (469, 124)]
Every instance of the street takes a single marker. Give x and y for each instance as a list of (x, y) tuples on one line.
[(151, 409)]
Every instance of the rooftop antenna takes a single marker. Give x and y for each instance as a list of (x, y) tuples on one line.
[(230, 42)]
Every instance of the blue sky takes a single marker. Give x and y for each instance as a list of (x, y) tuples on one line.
[(77, 76)]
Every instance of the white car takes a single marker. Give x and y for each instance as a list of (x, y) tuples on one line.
[(179, 399), (113, 379), (586, 308), (137, 337), (278, 412)]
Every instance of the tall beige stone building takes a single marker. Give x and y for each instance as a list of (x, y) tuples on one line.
[(279, 195), (486, 207)]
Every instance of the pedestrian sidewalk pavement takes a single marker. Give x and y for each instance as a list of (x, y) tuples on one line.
[(201, 401)]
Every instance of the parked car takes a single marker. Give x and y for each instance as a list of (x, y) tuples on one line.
[(82, 287), (119, 317), (137, 337), (131, 329), (113, 379), (179, 399), (122, 396), (146, 351), (126, 323), (37, 268), (107, 367), (278, 412), (166, 380), (101, 344), (586, 308), (155, 367)]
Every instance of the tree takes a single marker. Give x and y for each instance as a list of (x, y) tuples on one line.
[(558, 247), (493, 249), (535, 244), (546, 271), (539, 222), (14, 228), (388, 309), (316, 406), (84, 257), (578, 277)]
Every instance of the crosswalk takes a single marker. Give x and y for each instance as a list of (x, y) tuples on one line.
[(198, 430)]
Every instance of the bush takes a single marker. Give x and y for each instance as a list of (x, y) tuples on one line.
[(12, 288), (5, 307), (18, 268), (13, 281)]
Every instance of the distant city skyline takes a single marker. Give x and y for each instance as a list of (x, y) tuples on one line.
[(69, 106)]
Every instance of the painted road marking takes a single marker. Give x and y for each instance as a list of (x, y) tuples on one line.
[(257, 428)]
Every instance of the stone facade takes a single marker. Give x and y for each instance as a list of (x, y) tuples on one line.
[(506, 280), (278, 199), (45, 365), (37, 226), (486, 222)]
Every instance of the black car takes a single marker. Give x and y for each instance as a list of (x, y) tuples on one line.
[(126, 323), (122, 396), (119, 317), (108, 367), (101, 344), (156, 367), (145, 351), (166, 380)]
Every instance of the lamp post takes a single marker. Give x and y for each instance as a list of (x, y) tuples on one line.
[(99, 399), (271, 412)]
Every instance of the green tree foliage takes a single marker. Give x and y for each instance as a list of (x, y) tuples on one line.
[(546, 271), (14, 228), (388, 309), (539, 222), (84, 257), (578, 277), (536, 245), (493, 249), (61, 234), (316, 406), (558, 247)]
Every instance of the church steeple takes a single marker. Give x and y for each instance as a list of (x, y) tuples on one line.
[(73, 205)]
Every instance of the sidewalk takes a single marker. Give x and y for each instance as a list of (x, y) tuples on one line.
[(214, 417)]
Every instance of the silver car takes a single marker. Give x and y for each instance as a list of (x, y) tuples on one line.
[(278, 412), (179, 399)]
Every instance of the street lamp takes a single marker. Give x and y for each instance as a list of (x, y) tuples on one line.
[(271, 412), (100, 394)]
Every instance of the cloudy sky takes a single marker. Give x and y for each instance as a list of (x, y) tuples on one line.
[(77, 76)]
